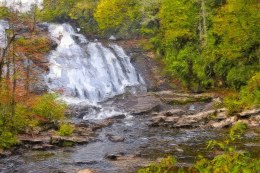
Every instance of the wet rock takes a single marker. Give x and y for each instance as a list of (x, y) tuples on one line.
[(175, 118), (114, 138), (172, 97), (225, 123), (64, 140), (80, 110), (193, 120), (172, 119), (43, 147), (178, 149), (173, 112), (254, 121), (83, 131), (144, 104), (248, 113), (136, 104), (5, 153), (112, 157), (118, 117), (100, 125), (28, 139), (85, 171), (112, 38), (156, 121), (221, 115)]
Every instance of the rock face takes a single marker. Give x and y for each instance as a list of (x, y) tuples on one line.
[(137, 104), (177, 118), (172, 97), (146, 64)]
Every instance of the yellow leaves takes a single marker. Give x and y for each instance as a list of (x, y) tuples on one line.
[(112, 14)]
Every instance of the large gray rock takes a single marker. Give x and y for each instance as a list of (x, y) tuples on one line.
[(136, 104), (115, 138)]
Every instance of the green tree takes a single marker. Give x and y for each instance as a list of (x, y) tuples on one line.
[(56, 10), (118, 16), (236, 31), (83, 13)]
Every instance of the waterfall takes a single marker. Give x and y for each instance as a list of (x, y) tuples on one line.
[(89, 70), (3, 38), (21, 5)]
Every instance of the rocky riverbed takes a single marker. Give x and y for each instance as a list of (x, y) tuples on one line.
[(148, 126)]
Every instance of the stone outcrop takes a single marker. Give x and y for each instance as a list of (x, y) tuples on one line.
[(136, 104), (178, 118), (172, 97)]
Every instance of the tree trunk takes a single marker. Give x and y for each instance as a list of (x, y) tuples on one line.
[(14, 81), (203, 24)]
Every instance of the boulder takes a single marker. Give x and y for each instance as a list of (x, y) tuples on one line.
[(172, 97), (145, 104), (248, 113), (254, 121), (193, 120), (112, 157), (83, 131), (43, 147), (28, 139), (85, 171), (173, 112), (100, 125), (156, 121), (114, 138), (225, 123), (61, 140)]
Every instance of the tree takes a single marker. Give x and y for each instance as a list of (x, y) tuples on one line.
[(237, 41), (56, 10), (118, 16), (83, 13)]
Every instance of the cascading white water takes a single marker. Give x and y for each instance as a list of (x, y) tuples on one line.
[(21, 5), (3, 38), (88, 70)]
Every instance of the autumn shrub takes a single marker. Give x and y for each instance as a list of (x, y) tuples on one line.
[(19, 118), (48, 107), (66, 130), (13, 119), (7, 139)]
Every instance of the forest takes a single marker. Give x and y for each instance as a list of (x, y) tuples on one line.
[(202, 46)]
